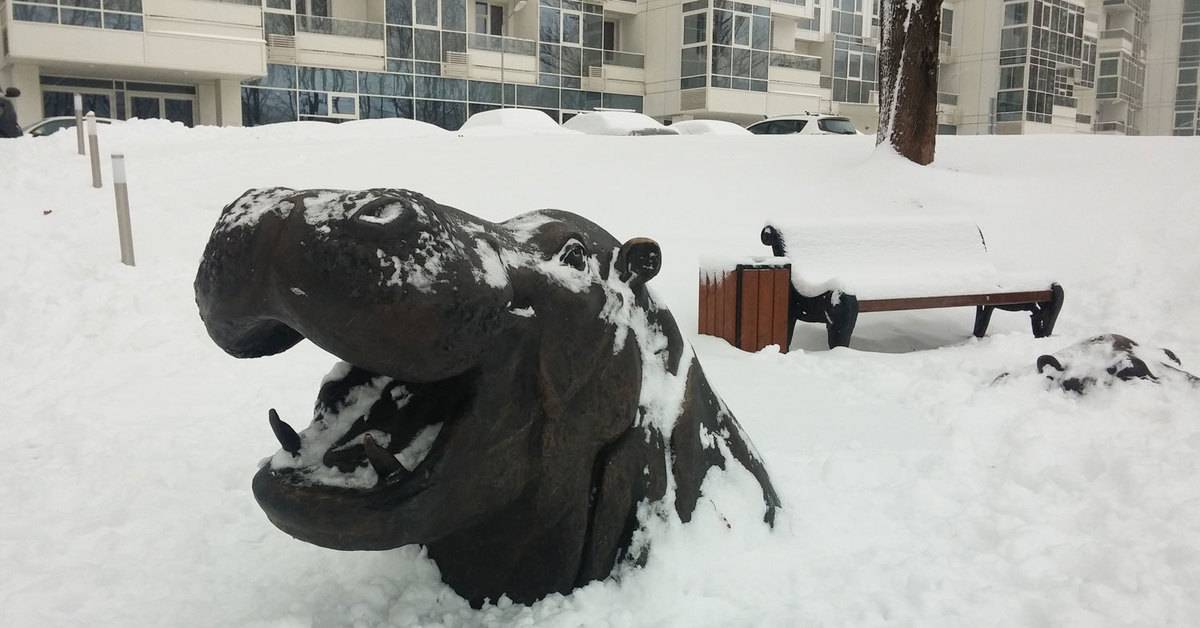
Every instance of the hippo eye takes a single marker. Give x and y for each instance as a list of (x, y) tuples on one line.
[(573, 255)]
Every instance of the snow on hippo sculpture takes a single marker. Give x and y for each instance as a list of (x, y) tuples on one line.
[(511, 396), (1106, 359)]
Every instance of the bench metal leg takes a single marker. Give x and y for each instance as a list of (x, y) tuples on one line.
[(840, 319), (983, 318), (1045, 314)]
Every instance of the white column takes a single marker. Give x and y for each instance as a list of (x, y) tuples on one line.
[(229, 102)]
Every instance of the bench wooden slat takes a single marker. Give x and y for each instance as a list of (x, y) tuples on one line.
[(918, 303)]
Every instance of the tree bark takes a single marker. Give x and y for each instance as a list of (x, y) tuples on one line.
[(908, 69)]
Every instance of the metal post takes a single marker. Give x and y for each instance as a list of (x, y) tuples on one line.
[(79, 121), (123, 223), (94, 148)]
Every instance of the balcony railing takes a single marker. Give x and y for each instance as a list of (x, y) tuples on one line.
[(1138, 5), (49, 12), (341, 28), (1119, 127), (624, 59), (1065, 101), (795, 62), (479, 41), (1117, 33)]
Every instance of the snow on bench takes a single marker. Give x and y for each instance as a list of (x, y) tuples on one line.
[(843, 267)]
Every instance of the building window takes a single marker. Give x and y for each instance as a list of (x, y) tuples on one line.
[(610, 35), (425, 12), (315, 8), (489, 18), (1016, 13), (855, 70), (693, 58), (813, 23), (847, 17), (695, 28), (741, 37), (947, 35), (146, 106), (570, 27)]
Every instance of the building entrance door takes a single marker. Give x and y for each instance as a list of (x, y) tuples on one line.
[(174, 107)]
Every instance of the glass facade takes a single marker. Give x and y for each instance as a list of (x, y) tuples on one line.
[(728, 45), (418, 36), (1187, 113), (1044, 56), (288, 93)]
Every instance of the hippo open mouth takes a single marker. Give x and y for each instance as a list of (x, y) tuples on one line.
[(368, 431), (371, 437)]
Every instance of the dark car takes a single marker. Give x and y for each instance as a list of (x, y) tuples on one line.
[(8, 114)]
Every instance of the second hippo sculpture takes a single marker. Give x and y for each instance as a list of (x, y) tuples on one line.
[(511, 396), (1101, 361)]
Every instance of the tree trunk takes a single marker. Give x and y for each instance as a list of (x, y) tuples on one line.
[(908, 68)]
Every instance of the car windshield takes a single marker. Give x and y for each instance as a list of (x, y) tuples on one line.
[(837, 125), (51, 127)]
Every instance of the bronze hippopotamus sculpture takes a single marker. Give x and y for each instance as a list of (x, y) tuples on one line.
[(1106, 359), (511, 396)]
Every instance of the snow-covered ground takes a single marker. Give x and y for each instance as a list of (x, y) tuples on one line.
[(915, 492)]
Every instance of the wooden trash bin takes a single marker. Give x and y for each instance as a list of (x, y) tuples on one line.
[(745, 301)]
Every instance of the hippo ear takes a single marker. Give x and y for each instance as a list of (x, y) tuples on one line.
[(1051, 361), (638, 261)]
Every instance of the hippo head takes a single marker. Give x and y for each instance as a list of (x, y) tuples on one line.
[(490, 402), (1106, 359)]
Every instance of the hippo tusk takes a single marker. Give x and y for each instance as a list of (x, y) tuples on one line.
[(384, 463), (287, 436)]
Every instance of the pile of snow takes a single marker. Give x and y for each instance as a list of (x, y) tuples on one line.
[(915, 492), (617, 123), (708, 127), (516, 121)]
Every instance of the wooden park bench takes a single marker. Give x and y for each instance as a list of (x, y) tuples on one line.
[(840, 269)]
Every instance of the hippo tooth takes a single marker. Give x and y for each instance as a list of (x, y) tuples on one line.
[(384, 463), (284, 432)]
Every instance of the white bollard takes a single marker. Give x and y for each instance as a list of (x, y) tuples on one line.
[(94, 147), (123, 223), (79, 121)]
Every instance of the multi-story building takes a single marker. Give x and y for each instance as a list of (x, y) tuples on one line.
[(1007, 66), (1173, 60)]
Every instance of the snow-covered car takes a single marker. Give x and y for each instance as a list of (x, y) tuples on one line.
[(617, 123), (804, 124), (57, 123), (513, 121), (708, 127)]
